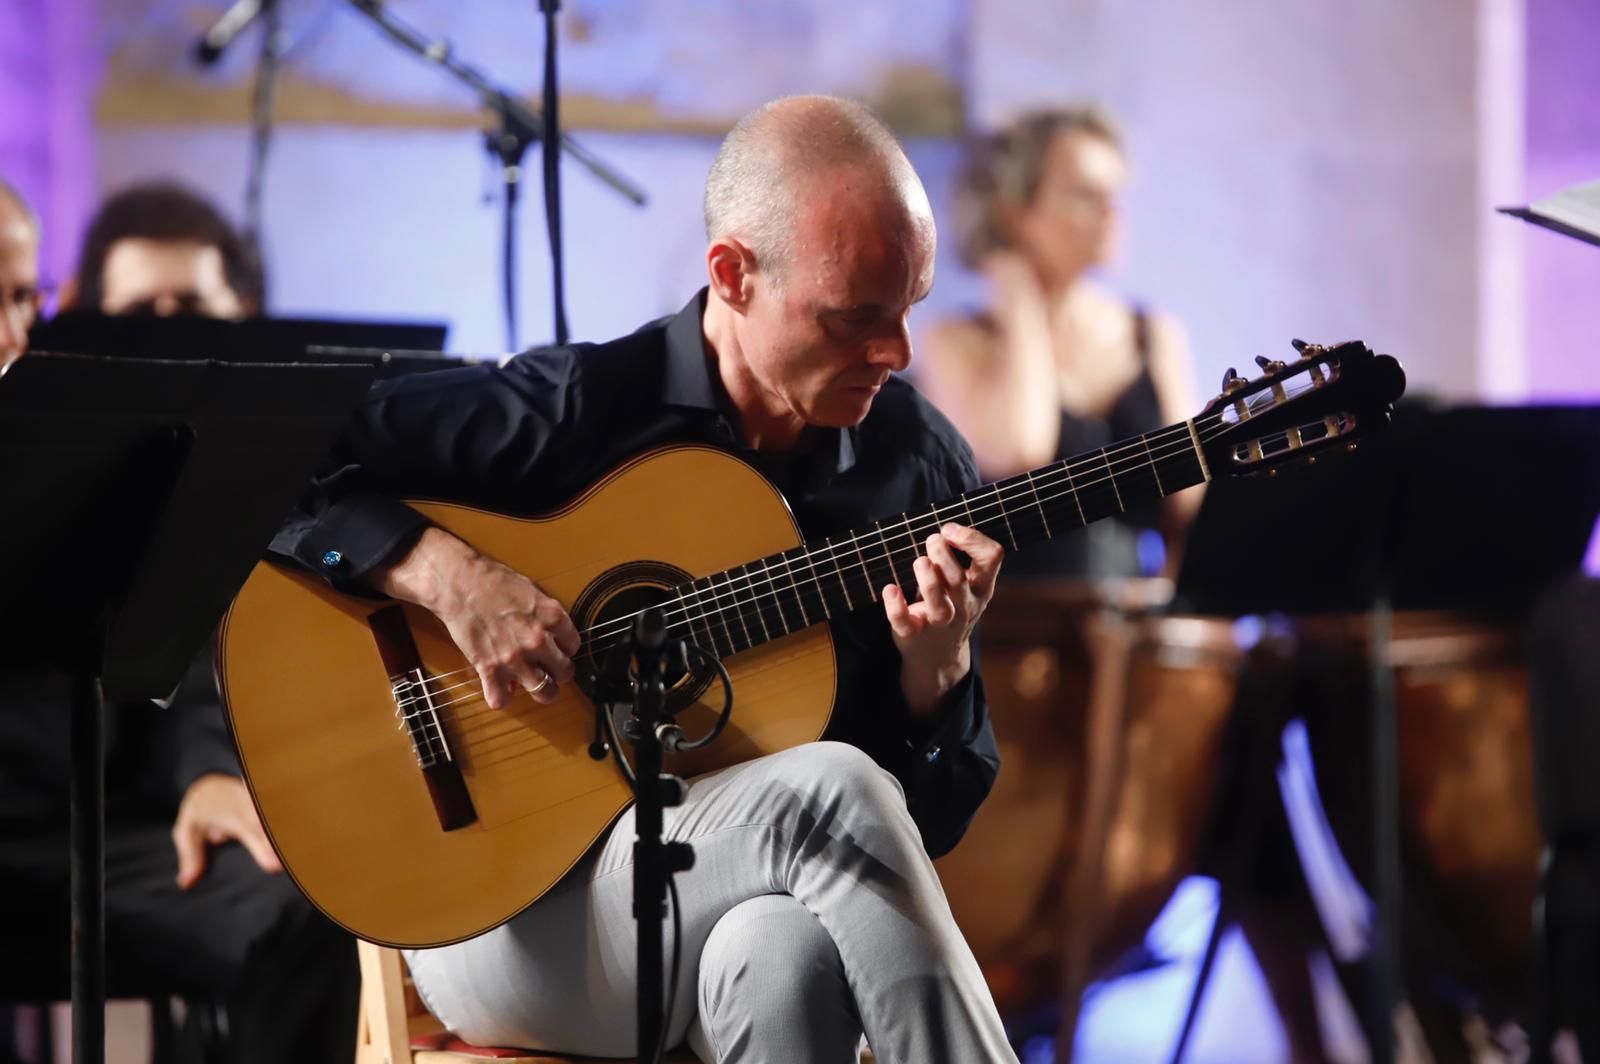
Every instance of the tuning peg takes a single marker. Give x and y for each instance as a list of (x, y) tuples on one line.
[(1231, 380), (1269, 365), (1299, 345)]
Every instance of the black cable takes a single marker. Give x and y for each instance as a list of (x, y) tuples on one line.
[(672, 980), (727, 699)]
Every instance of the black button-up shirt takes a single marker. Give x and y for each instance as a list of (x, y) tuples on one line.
[(534, 433)]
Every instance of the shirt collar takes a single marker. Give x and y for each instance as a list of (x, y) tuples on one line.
[(689, 383)]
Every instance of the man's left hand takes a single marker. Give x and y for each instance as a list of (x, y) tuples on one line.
[(932, 634), (217, 809)]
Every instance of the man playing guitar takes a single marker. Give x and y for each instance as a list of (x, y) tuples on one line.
[(812, 913)]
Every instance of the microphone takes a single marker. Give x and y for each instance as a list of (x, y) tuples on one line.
[(209, 48)]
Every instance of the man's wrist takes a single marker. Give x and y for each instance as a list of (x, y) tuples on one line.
[(421, 574), (927, 690)]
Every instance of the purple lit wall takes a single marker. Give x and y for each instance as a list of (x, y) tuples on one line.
[(1563, 148), (50, 67)]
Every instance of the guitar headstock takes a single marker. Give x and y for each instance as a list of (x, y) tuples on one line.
[(1325, 398)]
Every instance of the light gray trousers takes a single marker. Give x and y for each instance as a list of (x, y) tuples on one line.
[(812, 915)]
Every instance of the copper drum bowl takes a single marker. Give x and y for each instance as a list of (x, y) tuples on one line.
[(1109, 720)]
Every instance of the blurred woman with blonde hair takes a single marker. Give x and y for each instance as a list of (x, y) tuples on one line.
[(1059, 363)]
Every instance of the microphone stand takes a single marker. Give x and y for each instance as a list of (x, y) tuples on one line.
[(518, 128), (654, 860), (261, 120)]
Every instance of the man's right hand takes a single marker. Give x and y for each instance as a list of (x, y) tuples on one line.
[(515, 636)]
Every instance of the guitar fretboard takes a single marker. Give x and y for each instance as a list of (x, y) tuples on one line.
[(771, 597)]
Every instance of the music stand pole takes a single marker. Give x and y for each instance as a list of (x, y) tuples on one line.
[(88, 841)]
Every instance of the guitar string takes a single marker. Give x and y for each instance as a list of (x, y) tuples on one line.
[(1178, 441), (773, 595), (736, 598), (758, 600)]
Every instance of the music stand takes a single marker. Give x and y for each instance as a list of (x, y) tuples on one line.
[(1471, 509), (139, 496), (399, 347)]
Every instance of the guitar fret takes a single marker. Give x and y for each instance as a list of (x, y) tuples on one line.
[(1072, 489), (721, 603), (761, 614), (1037, 502), (839, 571), (815, 579), (1113, 476), (865, 572), (1000, 502), (738, 610), (888, 555), (700, 614), (916, 546), (1194, 438), (773, 593), (1152, 458), (799, 599)]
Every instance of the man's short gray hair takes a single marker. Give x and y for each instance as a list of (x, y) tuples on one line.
[(9, 191), (752, 190)]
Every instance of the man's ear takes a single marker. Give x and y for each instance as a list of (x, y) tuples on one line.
[(729, 263)]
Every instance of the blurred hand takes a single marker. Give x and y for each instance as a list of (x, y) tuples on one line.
[(1016, 287), (217, 809)]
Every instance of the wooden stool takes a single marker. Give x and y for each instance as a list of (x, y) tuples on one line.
[(397, 1029)]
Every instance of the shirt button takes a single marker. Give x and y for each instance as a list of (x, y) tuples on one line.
[(332, 558), (933, 755)]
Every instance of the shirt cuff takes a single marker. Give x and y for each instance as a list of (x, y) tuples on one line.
[(927, 736), (355, 535)]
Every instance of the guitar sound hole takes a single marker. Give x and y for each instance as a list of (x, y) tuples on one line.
[(606, 608)]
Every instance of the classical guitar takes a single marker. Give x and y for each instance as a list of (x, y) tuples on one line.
[(414, 815)]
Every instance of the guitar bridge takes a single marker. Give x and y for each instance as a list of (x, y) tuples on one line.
[(417, 705)]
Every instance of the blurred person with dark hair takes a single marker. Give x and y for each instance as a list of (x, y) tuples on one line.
[(19, 273), (1059, 364), (195, 902), (161, 249)]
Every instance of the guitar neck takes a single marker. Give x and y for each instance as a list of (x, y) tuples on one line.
[(771, 597)]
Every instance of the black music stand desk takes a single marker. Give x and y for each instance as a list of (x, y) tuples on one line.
[(1475, 510), (138, 496)]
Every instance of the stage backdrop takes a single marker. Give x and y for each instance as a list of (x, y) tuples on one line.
[(1301, 170)]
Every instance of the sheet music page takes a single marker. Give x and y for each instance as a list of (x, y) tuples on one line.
[(1578, 207)]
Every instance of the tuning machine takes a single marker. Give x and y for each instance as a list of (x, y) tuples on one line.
[(1270, 365), (1232, 382)]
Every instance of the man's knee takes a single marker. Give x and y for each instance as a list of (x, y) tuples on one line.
[(767, 962), (840, 772)]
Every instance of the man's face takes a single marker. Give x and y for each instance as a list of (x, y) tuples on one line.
[(19, 282), (167, 278), (825, 338)]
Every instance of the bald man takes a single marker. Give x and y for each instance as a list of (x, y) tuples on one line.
[(19, 274), (812, 913)]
